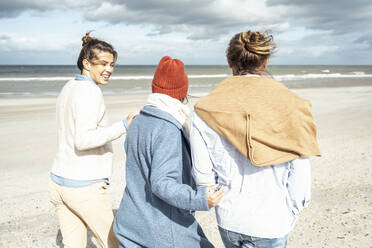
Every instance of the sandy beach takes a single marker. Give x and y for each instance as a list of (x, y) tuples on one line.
[(338, 216)]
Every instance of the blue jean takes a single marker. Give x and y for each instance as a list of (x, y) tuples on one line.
[(237, 240)]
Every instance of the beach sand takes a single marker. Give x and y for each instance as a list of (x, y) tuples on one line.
[(338, 216)]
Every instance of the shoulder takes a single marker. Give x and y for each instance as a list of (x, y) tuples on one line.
[(86, 91), (149, 122), (198, 122), (163, 130), (160, 116), (88, 86), (164, 127)]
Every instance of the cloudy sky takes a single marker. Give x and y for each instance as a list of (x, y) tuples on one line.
[(196, 31)]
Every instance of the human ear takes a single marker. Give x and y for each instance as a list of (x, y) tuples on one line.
[(86, 64)]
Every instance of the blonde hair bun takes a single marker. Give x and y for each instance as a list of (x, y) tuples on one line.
[(258, 43)]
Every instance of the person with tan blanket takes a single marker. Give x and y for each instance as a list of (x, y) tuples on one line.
[(252, 135)]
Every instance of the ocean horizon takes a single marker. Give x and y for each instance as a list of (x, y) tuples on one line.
[(19, 81)]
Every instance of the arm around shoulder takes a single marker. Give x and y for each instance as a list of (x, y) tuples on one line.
[(166, 172)]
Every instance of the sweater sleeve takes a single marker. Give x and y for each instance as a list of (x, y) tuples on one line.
[(88, 134), (166, 173)]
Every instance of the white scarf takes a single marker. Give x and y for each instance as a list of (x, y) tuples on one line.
[(172, 106)]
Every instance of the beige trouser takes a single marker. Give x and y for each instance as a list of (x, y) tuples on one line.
[(80, 207)]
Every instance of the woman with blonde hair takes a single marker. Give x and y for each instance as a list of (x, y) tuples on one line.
[(253, 135)]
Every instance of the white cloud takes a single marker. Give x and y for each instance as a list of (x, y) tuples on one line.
[(283, 51), (317, 51), (198, 19), (41, 43), (191, 29), (114, 11)]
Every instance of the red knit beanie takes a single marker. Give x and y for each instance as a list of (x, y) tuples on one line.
[(170, 78)]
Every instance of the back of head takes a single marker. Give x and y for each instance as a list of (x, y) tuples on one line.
[(248, 51), (91, 47), (170, 78)]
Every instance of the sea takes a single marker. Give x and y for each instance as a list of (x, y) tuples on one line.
[(27, 81)]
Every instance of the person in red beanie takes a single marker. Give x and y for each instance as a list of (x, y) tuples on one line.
[(170, 78), (161, 196)]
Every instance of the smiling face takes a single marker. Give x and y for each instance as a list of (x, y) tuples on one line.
[(100, 68)]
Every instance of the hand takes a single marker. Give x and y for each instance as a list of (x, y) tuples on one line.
[(214, 197), (131, 116)]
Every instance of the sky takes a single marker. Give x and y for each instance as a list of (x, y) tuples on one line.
[(307, 32)]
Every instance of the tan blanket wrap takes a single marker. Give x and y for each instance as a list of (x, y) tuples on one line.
[(262, 118)]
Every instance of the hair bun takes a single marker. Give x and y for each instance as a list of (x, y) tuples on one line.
[(86, 39), (258, 43), (246, 39), (255, 37)]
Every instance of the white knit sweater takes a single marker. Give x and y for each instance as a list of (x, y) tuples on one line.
[(84, 137)]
